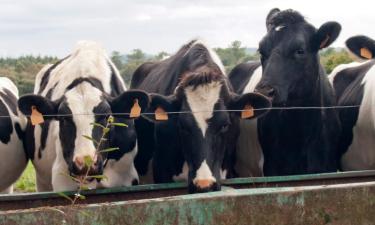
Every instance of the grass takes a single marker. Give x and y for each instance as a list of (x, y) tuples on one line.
[(26, 183)]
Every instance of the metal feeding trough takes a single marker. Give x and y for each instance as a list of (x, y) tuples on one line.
[(336, 198)]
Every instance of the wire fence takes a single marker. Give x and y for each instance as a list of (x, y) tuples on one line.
[(195, 112)]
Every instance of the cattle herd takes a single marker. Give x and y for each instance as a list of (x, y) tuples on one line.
[(282, 115)]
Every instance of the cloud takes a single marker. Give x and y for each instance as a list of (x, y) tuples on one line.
[(53, 27)]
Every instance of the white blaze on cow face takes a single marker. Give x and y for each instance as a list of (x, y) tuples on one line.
[(201, 100), (204, 173), (82, 100)]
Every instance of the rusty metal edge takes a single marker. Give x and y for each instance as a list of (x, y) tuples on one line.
[(181, 185)]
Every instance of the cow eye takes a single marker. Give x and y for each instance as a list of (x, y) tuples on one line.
[(224, 128), (300, 52)]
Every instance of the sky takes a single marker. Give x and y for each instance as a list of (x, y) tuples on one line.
[(52, 27)]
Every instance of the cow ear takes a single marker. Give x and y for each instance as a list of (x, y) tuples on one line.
[(130, 104), (326, 35), (160, 106), (252, 105), (270, 15), (361, 46), (36, 105)]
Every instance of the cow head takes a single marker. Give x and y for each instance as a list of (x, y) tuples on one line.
[(200, 103), (361, 46), (76, 111), (289, 56)]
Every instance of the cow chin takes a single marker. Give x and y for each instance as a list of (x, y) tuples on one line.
[(194, 188)]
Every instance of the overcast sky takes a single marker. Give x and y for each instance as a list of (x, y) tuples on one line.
[(53, 27)]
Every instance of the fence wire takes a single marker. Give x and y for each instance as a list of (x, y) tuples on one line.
[(195, 112)]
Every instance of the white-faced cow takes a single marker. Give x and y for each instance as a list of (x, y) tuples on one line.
[(200, 134), (12, 126), (81, 89), (292, 141), (354, 84)]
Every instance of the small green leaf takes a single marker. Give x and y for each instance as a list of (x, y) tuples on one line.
[(90, 138), (82, 197), (62, 194), (97, 125), (84, 187), (88, 161), (109, 150), (110, 119), (119, 124), (106, 130), (100, 177)]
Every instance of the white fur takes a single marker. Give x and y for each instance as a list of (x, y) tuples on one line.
[(12, 154), (202, 100), (121, 172), (279, 28), (204, 173), (183, 176), (213, 55), (223, 174), (249, 153), (360, 154), (88, 59), (81, 103)]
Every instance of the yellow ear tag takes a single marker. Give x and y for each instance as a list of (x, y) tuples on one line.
[(324, 42), (135, 111), (248, 112), (160, 114), (365, 53), (36, 117)]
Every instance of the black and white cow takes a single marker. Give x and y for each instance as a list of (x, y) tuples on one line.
[(292, 141), (190, 146), (75, 88), (12, 126), (354, 84)]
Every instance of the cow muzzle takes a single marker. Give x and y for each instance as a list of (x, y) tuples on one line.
[(87, 165)]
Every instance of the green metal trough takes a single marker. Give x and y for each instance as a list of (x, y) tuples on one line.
[(338, 198)]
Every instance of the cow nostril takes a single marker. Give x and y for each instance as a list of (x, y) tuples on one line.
[(271, 92)]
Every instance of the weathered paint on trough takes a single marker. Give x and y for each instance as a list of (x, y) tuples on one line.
[(34, 200), (341, 204)]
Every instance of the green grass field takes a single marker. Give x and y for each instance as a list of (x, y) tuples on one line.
[(26, 183)]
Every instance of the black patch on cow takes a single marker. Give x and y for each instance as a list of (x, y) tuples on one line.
[(45, 128), (286, 17), (10, 100), (67, 133), (47, 75), (351, 94), (241, 75), (92, 80), (116, 85), (6, 126), (345, 77)]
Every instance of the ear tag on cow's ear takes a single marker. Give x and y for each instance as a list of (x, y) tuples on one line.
[(36, 117), (365, 53), (160, 114), (324, 42), (248, 112), (135, 111)]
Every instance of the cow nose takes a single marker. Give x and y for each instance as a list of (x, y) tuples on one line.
[(204, 185), (81, 165), (266, 90)]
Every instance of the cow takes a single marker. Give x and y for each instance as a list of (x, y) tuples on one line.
[(12, 127), (354, 85), (75, 92), (191, 87), (289, 141)]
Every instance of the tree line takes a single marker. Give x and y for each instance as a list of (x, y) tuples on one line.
[(22, 70)]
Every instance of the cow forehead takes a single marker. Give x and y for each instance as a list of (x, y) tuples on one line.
[(201, 100), (83, 99)]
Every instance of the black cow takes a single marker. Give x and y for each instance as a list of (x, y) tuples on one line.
[(12, 126), (354, 84), (292, 141), (190, 144), (81, 89)]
